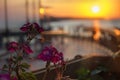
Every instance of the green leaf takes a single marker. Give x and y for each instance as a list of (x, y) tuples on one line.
[(25, 65), (4, 66), (20, 58), (83, 71), (23, 70)]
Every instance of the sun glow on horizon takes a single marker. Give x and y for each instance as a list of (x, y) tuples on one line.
[(85, 9), (95, 9)]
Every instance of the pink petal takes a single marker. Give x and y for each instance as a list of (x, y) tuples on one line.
[(12, 46), (4, 77), (24, 29), (38, 28), (27, 49)]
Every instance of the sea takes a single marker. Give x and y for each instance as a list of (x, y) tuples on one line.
[(66, 24)]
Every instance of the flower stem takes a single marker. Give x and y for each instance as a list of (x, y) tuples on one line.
[(47, 70)]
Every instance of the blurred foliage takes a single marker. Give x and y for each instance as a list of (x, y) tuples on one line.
[(27, 76), (86, 74)]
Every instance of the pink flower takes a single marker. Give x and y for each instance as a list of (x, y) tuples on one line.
[(31, 27), (57, 58), (51, 54), (4, 77), (26, 27), (27, 49), (13, 46), (38, 28), (46, 54)]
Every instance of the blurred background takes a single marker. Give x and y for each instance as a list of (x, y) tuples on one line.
[(75, 27)]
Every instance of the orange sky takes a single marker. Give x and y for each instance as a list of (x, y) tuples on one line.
[(82, 8), (64, 8), (109, 9)]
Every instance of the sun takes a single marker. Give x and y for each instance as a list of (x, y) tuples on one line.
[(95, 9), (42, 10)]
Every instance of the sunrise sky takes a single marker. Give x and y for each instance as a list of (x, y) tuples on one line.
[(70, 8), (83, 8), (107, 9)]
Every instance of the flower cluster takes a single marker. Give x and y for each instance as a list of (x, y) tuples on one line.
[(51, 54), (16, 66), (14, 46), (31, 27), (6, 77)]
